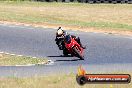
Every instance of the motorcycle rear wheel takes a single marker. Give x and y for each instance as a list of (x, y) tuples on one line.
[(65, 52)]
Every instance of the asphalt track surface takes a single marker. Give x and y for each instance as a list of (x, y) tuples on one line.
[(105, 52)]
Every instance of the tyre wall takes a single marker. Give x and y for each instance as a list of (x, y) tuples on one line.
[(90, 1)]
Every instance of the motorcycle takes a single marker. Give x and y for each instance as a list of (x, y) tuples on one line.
[(73, 47)]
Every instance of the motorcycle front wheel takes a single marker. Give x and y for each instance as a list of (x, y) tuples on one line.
[(78, 53)]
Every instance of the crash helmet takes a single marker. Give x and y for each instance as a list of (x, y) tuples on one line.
[(59, 31)]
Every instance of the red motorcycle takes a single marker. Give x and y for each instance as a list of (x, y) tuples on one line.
[(73, 47)]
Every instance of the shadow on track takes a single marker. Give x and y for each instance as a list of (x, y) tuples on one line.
[(64, 59), (60, 56), (68, 60)]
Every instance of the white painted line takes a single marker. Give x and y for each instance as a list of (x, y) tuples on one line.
[(43, 63), (7, 53), (40, 63), (95, 32), (12, 54), (1, 52), (26, 65), (25, 27), (19, 26), (20, 55), (50, 62), (34, 57), (129, 37), (3, 24)]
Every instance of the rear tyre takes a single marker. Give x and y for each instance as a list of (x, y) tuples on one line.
[(65, 52), (78, 53)]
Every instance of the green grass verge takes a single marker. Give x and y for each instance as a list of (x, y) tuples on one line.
[(117, 17), (7, 59), (54, 81)]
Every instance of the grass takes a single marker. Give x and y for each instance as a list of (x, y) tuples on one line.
[(98, 16), (54, 81), (7, 59)]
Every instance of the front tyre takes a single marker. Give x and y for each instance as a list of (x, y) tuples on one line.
[(78, 53)]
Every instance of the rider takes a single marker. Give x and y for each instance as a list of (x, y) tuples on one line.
[(61, 34)]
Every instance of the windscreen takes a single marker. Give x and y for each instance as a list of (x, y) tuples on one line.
[(68, 39)]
